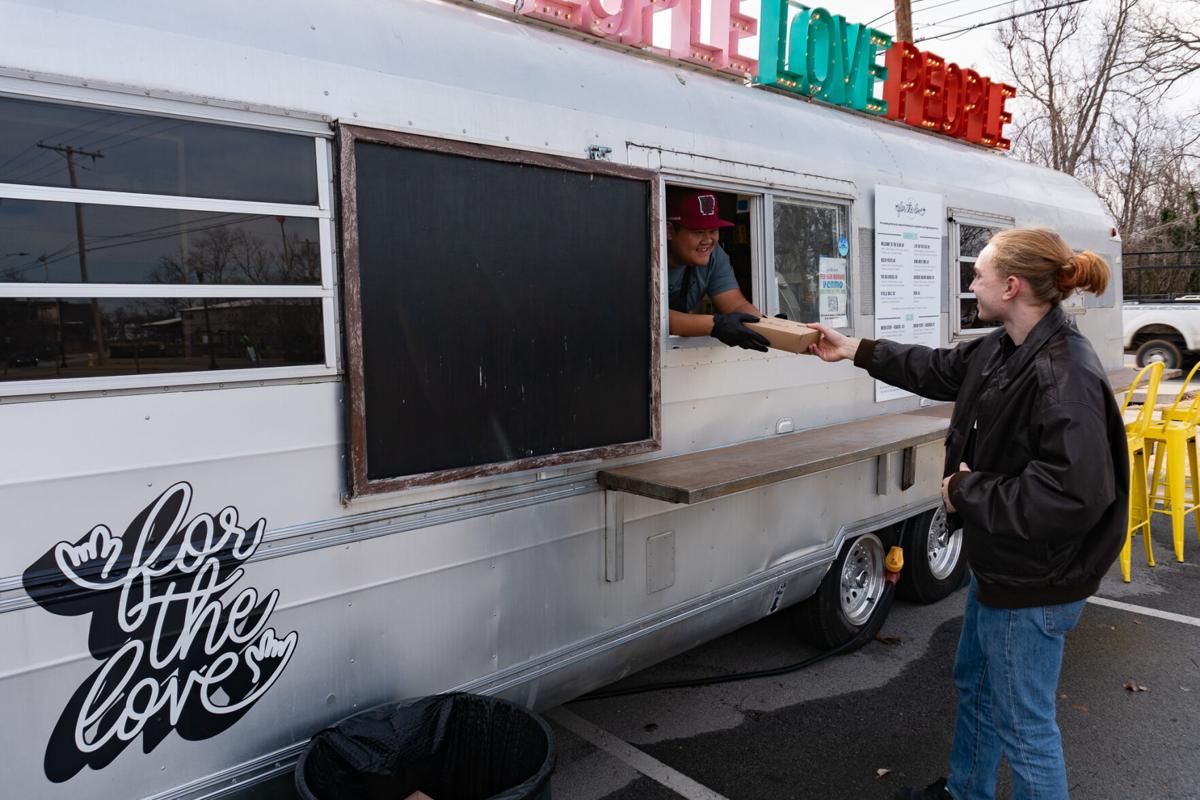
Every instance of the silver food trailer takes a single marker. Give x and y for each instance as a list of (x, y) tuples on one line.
[(336, 370)]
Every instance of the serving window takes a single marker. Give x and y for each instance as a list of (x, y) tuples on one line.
[(501, 309), (969, 234), (139, 250), (810, 241)]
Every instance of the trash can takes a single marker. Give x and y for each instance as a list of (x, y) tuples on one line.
[(450, 747)]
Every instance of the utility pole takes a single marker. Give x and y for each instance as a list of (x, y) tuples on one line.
[(903, 21), (69, 153)]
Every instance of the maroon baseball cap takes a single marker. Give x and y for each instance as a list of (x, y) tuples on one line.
[(695, 209)]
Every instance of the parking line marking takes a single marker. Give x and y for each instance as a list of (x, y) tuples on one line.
[(642, 762), (1149, 612)]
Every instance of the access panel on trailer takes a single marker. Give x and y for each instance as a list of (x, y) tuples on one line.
[(502, 309)]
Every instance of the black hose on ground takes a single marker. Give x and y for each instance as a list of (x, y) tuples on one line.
[(866, 634)]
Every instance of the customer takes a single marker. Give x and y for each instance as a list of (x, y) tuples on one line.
[(1037, 471)]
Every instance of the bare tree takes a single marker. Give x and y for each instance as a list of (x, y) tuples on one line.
[(1069, 84), (1171, 40), (1143, 162)]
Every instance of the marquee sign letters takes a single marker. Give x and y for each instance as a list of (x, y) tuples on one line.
[(807, 51)]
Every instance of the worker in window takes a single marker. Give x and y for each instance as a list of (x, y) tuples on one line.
[(698, 266)]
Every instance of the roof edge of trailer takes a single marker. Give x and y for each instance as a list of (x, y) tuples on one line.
[(392, 63), (17, 82)]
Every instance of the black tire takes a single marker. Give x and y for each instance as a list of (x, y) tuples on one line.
[(934, 564), (1160, 350), (849, 598)]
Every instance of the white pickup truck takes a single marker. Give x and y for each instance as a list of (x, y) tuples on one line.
[(1168, 331)]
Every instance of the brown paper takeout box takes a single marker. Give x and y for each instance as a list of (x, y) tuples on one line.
[(783, 334)]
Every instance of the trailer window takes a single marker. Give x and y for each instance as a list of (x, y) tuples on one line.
[(139, 250), (811, 243), (46, 144), (970, 235), (501, 309)]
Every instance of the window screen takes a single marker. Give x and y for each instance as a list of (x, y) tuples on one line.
[(811, 244)]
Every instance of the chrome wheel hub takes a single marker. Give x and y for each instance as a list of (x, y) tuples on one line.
[(862, 579), (943, 546)]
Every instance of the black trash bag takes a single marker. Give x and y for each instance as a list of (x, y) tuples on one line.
[(449, 746)]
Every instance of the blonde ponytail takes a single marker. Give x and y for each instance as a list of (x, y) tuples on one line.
[(1084, 271)]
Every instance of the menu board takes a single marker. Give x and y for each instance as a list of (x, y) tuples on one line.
[(908, 265)]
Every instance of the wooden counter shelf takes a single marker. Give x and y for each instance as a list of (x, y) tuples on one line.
[(696, 477), (707, 475)]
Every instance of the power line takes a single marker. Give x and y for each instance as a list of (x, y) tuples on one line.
[(964, 14), (63, 254), (914, 2), (1002, 19), (32, 173)]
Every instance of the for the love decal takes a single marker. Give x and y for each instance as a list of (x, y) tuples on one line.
[(179, 650)]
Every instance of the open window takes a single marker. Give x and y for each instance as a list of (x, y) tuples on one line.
[(501, 306), (969, 234), (141, 250), (811, 246)]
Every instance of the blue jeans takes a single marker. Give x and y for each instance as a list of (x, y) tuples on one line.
[(1006, 671)]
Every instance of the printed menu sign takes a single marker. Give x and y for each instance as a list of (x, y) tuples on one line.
[(908, 260)]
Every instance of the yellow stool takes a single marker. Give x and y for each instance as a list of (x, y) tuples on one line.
[(1173, 435), (1135, 435)]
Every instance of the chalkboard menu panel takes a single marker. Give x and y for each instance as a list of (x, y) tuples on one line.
[(504, 312)]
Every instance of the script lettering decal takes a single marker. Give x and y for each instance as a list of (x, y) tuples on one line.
[(176, 653)]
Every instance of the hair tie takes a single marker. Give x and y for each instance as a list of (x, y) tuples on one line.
[(1068, 275)]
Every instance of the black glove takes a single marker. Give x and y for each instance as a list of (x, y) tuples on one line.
[(731, 329)]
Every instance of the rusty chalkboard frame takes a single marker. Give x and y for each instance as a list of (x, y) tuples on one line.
[(360, 483)]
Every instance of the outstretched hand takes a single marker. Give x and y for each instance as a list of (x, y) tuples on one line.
[(832, 346), (731, 330)]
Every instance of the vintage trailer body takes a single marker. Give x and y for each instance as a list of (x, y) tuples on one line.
[(493, 584)]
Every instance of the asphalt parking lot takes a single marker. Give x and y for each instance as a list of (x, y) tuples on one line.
[(828, 731)]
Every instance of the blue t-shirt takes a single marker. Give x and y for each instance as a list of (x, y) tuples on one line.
[(712, 279)]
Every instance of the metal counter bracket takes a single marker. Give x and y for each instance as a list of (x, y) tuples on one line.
[(614, 536), (881, 473), (908, 471)]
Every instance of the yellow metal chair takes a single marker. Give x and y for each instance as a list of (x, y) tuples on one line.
[(1135, 435), (1172, 438)]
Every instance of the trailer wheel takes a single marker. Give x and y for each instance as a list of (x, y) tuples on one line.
[(933, 559), (848, 598), (1159, 350)]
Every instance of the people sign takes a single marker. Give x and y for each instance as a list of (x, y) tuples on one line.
[(804, 50)]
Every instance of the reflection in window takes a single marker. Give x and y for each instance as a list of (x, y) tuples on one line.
[(45, 144), (149, 245), (90, 337), (810, 261), (130, 252), (971, 241)]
